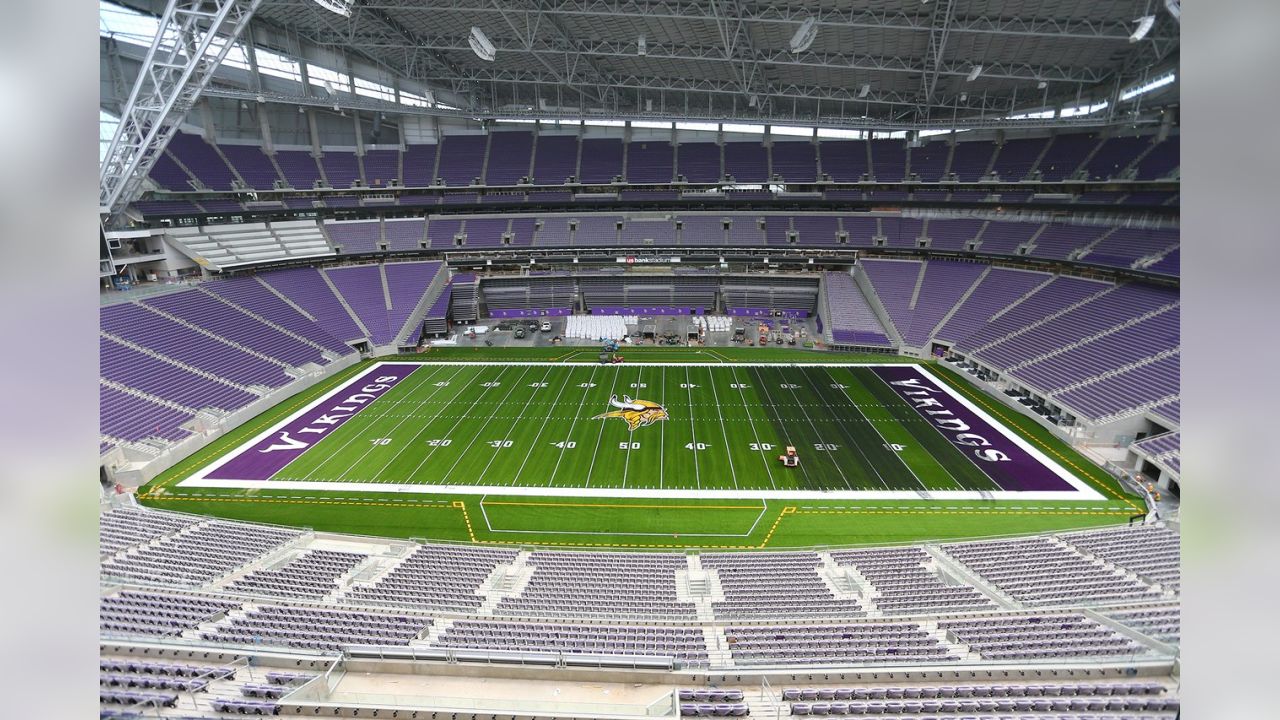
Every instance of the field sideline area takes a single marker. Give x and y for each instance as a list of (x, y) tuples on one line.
[(676, 448)]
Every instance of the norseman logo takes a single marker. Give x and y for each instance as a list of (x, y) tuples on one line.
[(636, 413)]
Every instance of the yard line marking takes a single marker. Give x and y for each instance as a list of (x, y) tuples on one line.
[(864, 416), (494, 456), (787, 440), (626, 462), (551, 478), (696, 475), (723, 433), (768, 396), (476, 436), (768, 466), (554, 404), (390, 433), (612, 387), (815, 430), (413, 441), (427, 457), (662, 436)]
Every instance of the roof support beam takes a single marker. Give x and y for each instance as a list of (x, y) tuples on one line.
[(943, 11), (658, 50), (194, 37), (786, 13)]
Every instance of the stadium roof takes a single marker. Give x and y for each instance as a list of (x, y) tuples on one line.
[(881, 64)]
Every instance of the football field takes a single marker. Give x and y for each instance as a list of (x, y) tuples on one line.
[(646, 430)]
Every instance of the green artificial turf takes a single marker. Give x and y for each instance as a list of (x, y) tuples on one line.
[(533, 426)]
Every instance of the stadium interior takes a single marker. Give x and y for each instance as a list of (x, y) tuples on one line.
[(639, 358)]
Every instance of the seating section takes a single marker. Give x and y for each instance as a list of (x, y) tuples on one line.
[(1131, 390), (698, 162), (906, 581), (894, 283), (299, 168), (352, 237), (418, 165), (1125, 247), (307, 289), (1058, 295), (123, 528), (888, 160), (602, 160), (438, 577), (1050, 701), (611, 584), (312, 575), (252, 163), (1077, 363), (341, 168), (131, 612), (848, 315), (1151, 551), (253, 294), (461, 159), (202, 160), (123, 365), (1064, 156), (1037, 637), (1102, 314), (136, 324), (407, 283), (1040, 571), (381, 167), (200, 554), (650, 162), (362, 289), (683, 643), (541, 598), (712, 703), (844, 644), (1015, 159), (795, 161), (205, 311), (1162, 623), (747, 162), (845, 160), (316, 628), (775, 585)]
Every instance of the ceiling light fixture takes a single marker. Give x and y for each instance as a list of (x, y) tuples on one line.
[(1144, 27), (341, 7), (1175, 9), (641, 46), (866, 90), (974, 73), (480, 45), (805, 35)]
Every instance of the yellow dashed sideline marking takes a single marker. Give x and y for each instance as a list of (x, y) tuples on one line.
[(614, 505)]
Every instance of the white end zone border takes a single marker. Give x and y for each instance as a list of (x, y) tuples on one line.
[(1081, 492)]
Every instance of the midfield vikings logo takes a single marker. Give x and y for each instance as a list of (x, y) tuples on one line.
[(636, 413)]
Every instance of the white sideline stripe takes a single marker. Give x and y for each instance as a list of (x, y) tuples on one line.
[(1082, 490), (651, 493)]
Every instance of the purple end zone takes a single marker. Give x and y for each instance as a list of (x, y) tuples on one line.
[(1010, 466), (268, 456)]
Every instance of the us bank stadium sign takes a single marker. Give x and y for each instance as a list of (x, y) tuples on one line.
[(633, 260)]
